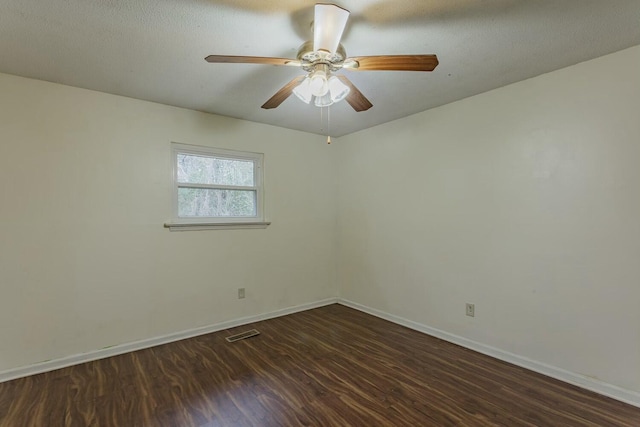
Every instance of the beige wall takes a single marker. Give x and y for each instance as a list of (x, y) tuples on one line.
[(84, 191), (525, 201)]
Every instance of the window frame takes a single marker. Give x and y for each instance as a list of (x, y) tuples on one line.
[(198, 223)]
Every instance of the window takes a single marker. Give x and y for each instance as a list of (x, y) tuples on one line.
[(214, 188)]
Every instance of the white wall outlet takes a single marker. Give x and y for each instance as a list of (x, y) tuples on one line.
[(471, 310), (240, 293)]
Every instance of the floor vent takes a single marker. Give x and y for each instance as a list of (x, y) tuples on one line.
[(243, 335)]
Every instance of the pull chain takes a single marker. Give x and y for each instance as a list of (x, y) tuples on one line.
[(328, 125)]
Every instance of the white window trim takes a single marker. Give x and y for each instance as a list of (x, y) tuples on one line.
[(216, 223)]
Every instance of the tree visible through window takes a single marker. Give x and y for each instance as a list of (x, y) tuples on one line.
[(217, 184)]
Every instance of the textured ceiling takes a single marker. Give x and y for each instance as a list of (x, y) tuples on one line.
[(154, 49)]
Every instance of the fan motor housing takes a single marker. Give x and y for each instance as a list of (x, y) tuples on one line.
[(310, 58)]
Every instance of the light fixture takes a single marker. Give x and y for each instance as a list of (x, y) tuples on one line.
[(318, 83), (337, 89), (323, 101), (303, 91), (324, 92)]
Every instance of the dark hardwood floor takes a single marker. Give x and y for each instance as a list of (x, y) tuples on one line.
[(332, 366)]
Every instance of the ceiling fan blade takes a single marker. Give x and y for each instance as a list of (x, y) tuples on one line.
[(227, 59), (283, 93), (355, 98), (328, 25), (392, 63)]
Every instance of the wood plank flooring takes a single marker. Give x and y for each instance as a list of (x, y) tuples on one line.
[(331, 366)]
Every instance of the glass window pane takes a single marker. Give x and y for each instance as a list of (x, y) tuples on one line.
[(217, 171), (199, 202)]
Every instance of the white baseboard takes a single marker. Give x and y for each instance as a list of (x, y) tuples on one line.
[(609, 390), (76, 359)]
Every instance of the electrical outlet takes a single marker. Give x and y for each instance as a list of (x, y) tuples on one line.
[(471, 310), (240, 293)]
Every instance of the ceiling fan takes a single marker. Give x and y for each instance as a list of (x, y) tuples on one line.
[(321, 57)]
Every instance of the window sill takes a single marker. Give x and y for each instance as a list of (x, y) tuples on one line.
[(194, 226)]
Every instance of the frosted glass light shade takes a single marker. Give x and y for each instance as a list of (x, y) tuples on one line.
[(303, 91), (323, 101), (328, 24), (337, 89), (318, 83)]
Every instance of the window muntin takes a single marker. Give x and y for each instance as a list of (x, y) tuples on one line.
[(217, 186)]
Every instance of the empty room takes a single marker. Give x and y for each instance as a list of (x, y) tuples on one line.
[(291, 213)]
